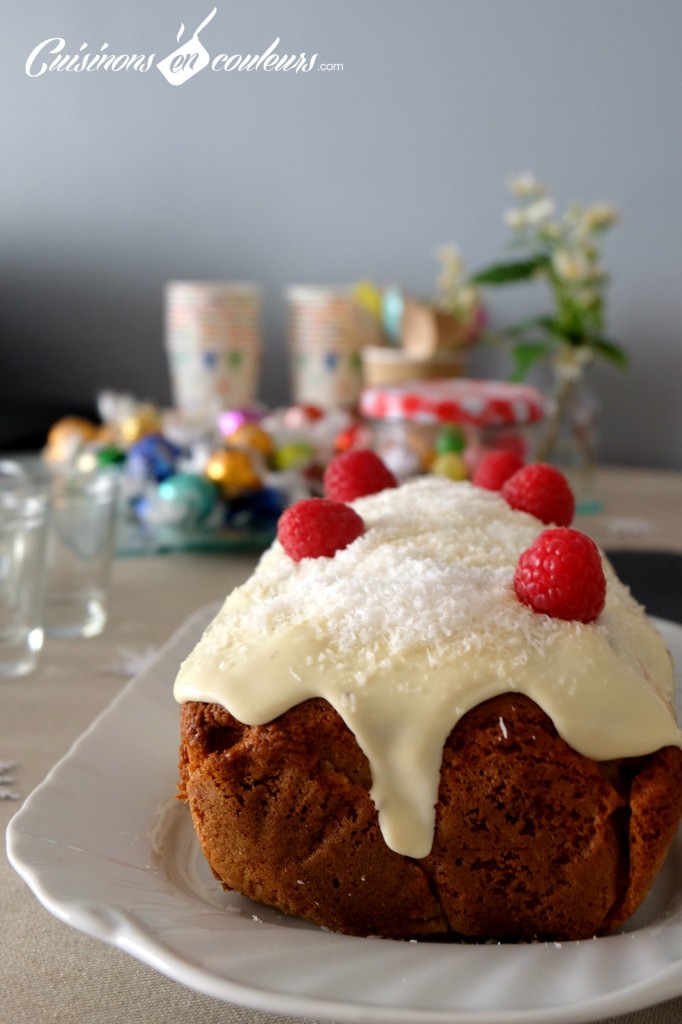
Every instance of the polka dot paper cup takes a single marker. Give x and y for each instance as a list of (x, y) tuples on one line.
[(213, 343), (326, 337)]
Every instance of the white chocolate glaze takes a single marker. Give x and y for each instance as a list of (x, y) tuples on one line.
[(414, 624)]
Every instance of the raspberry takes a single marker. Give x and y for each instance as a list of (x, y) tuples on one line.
[(317, 528), (561, 574), (495, 468), (542, 491), (355, 473)]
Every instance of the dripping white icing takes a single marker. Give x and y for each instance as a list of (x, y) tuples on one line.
[(416, 623)]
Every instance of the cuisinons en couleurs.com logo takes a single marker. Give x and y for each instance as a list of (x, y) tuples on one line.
[(189, 57)]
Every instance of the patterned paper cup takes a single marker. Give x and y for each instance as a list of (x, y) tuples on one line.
[(326, 337), (213, 342)]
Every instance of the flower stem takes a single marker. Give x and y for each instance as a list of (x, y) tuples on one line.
[(563, 395)]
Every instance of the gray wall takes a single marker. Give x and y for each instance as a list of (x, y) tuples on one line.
[(114, 183)]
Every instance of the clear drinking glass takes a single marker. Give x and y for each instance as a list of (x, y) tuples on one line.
[(23, 533), (80, 552)]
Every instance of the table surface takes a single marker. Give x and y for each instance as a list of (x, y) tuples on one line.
[(50, 972)]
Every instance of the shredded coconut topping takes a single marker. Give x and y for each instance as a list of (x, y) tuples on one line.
[(434, 568)]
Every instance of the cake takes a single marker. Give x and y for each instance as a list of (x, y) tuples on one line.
[(389, 742)]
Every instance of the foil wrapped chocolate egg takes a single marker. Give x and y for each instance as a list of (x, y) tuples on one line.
[(294, 455), (233, 470), (109, 455), (67, 436), (193, 497), (451, 465), (153, 457), (450, 439), (250, 435), (145, 420), (230, 419), (257, 511)]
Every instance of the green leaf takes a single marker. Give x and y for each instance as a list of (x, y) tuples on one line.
[(610, 351), (526, 354), (545, 323), (508, 273)]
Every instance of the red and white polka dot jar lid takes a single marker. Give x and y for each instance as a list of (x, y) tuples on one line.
[(483, 403)]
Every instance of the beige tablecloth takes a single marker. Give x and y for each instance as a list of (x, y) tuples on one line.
[(50, 972)]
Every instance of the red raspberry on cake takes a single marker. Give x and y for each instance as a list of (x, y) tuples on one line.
[(495, 468), (561, 574), (542, 491), (355, 473), (318, 528)]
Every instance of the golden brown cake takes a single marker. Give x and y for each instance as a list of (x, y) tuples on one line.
[(387, 742)]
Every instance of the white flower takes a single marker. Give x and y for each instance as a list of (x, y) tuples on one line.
[(515, 219), (540, 210), (455, 295), (570, 265), (598, 217), (550, 231), (526, 186)]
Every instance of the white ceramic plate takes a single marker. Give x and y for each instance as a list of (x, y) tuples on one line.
[(105, 848)]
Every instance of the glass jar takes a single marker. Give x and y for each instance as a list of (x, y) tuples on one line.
[(412, 423)]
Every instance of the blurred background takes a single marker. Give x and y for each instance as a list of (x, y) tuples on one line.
[(114, 183)]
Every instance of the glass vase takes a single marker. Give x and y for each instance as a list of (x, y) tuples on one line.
[(571, 430)]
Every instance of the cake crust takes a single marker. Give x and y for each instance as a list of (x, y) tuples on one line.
[(532, 840)]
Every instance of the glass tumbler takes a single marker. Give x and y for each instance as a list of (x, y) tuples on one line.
[(23, 534), (80, 551)]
